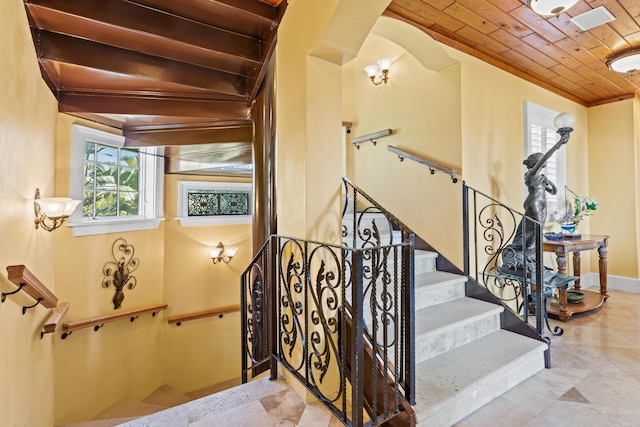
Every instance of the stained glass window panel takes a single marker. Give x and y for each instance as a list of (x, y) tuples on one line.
[(218, 202)]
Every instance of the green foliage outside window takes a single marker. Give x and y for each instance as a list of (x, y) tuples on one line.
[(112, 177)]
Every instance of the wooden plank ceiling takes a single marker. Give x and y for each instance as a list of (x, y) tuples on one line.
[(553, 53), (166, 72), (185, 72)]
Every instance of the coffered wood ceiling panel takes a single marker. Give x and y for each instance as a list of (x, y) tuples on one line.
[(185, 72), (553, 53), (166, 72)]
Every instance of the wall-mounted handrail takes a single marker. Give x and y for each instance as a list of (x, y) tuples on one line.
[(202, 314), (27, 282), (54, 319), (370, 137), (433, 166), (99, 321)]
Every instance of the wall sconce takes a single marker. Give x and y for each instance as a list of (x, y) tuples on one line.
[(384, 65), (550, 7), (54, 209), (626, 62), (220, 253)]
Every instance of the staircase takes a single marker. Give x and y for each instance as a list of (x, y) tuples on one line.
[(256, 404), (463, 359)]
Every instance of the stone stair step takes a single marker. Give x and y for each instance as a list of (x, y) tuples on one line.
[(424, 261), (442, 327), (167, 397), (452, 385), (111, 422), (436, 287), (206, 391), (129, 408), (210, 406)]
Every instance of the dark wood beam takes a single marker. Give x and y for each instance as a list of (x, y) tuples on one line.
[(188, 135), (125, 15), (70, 50), (153, 106)]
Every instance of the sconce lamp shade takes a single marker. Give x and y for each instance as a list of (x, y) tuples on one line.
[(372, 70), (627, 62), (384, 64), (55, 207), (52, 212), (231, 251), (215, 252), (564, 120), (551, 7)]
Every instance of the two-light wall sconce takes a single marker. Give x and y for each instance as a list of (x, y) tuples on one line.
[(52, 212), (383, 66), (222, 253)]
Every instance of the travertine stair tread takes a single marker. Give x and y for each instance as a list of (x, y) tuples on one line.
[(129, 408), (206, 391), (437, 278), (435, 318), (443, 378), (167, 397), (111, 422)]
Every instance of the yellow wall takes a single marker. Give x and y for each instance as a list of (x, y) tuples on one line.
[(193, 283), (314, 40), (94, 370), (613, 154), (422, 107), (27, 132)]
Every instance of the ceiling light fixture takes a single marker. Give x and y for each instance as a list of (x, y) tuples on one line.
[(625, 62), (54, 209), (383, 66), (550, 7)]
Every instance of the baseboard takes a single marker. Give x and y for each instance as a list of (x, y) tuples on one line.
[(616, 283)]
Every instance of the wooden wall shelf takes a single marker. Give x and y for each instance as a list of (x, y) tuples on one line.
[(98, 322), (201, 314), (26, 281)]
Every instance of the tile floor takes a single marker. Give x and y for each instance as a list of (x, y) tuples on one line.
[(594, 379), (594, 382)]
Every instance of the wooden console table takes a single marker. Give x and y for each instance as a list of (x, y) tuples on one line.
[(562, 248)]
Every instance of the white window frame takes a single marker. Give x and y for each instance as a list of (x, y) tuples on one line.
[(187, 221), (151, 186), (537, 115)]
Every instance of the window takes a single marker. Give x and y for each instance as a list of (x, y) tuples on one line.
[(214, 203), (121, 188), (540, 136)]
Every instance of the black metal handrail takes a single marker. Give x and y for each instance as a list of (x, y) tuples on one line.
[(314, 308), (489, 227)]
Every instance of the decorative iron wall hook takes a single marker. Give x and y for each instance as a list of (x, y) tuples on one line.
[(118, 272), (6, 294)]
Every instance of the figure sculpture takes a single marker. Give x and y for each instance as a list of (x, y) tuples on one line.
[(518, 257)]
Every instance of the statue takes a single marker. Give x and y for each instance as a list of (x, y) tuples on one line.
[(519, 257)]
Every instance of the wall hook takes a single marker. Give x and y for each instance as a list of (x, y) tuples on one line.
[(6, 294), (27, 307)]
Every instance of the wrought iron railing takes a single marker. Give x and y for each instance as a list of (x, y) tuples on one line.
[(490, 231), (366, 224), (316, 309)]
